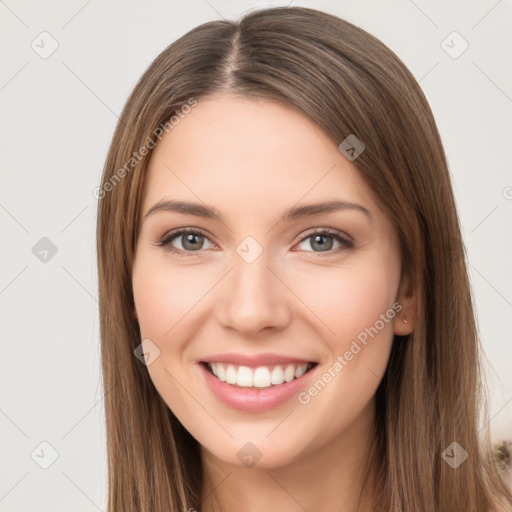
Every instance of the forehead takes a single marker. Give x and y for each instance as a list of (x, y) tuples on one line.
[(250, 154)]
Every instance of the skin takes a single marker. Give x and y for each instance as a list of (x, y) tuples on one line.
[(251, 160)]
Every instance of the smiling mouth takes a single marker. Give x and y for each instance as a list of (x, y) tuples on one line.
[(260, 377)]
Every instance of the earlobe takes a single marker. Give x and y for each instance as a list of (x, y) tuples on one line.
[(404, 325), (404, 322)]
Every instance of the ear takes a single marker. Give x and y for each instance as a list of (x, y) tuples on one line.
[(135, 314), (404, 321)]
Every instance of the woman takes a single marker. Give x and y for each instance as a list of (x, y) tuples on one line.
[(286, 317)]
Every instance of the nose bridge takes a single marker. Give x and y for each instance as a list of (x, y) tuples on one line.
[(252, 297)]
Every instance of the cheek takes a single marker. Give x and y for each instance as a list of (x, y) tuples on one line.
[(164, 300), (357, 305), (154, 301), (163, 296), (349, 299)]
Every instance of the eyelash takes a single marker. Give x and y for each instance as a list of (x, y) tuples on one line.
[(169, 237)]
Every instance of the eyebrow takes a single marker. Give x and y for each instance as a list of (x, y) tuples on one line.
[(296, 212)]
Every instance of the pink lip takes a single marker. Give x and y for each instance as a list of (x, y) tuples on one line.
[(253, 361), (254, 400)]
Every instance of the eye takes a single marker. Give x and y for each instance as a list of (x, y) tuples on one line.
[(191, 240), (323, 240)]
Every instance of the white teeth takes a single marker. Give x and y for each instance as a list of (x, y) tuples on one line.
[(301, 370), (230, 373), (289, 373), (261, 377), (244, 377), (277, 376), (221, 372)]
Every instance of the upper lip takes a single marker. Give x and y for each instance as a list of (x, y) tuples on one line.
[(254, 360)]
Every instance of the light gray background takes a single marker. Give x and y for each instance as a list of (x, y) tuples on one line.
[(57, 117)]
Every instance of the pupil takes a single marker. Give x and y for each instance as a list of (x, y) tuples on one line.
[(190, 239), (323, 246)]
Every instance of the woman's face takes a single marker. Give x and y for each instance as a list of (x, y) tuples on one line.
[(258, 290)]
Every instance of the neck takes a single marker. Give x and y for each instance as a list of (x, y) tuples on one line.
[(325, 480)]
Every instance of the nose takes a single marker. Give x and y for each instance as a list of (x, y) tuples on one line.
[(253, 297)]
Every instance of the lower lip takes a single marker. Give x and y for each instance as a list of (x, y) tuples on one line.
[(254, 400)]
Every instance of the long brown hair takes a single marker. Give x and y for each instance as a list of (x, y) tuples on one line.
[(348, 82)]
